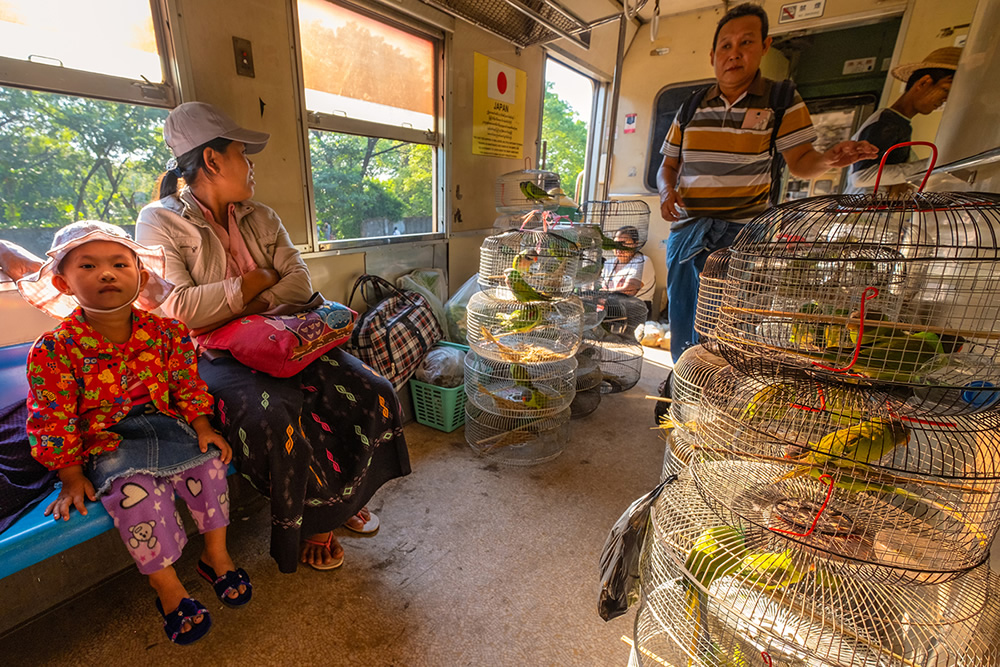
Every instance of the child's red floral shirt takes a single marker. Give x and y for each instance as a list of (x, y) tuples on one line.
[(78, 384)]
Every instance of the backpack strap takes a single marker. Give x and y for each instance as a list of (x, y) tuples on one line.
[(690, 105), (782, 96)]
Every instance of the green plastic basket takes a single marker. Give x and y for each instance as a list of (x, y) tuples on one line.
[(442, 408)]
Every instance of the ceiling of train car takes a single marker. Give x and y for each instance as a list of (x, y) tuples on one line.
[(668, 7)]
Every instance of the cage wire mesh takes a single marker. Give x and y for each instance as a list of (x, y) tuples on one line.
[(532, 264), (881, 496), (620, 359), (525, 190), (873, 290), (585, 402), (519, 390), (516, 441), (696, 366), (504, 329), (714, 596), (593, 307), (712, 282), (624, 222), (622, 313), (672, 464), (588, 373)]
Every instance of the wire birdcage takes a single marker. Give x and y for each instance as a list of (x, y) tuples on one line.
[(712, 283), (516, 441), (620, 359), (526, 189), (585, 402), (504, 329), (593, 307), (696, 366), (624, 222), (881, 496), (588, 237), (519, 390), (622, 313), (535, 265), (588, 368), (873, 290), (714, 596), (673, 460)]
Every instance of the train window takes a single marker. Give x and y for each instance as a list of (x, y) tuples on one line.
[(668, 103), (83, 95), (370, 93)]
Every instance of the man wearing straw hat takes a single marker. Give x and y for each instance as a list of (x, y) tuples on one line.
[(928, 83)]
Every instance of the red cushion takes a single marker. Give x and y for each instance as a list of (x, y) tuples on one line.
[(282, 345)]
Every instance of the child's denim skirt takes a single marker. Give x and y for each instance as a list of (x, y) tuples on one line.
[(151, 443)]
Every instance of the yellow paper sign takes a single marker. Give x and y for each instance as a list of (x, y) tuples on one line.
[(498, 109)]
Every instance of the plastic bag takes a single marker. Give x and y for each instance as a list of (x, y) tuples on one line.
[(442, 367), (620, 556), (431, 284), (455, 309)]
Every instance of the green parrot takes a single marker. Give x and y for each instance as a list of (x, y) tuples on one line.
[(770, 403), (514, 276), (521, 320), (770, 571), (858, 444), (717, 552), (610, 244), (522, 394), (532, 192)]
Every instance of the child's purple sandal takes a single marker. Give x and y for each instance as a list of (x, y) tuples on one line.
[(230, 581), (173, 623)]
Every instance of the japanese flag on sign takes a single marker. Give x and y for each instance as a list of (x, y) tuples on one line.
[(502, 82)]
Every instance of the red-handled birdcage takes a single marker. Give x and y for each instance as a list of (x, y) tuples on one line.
[(881, 291), (533, 264), (526, 189), (519, 390), (715, 596), (711, 284), (882, 496), (623, 222), (504, 329)]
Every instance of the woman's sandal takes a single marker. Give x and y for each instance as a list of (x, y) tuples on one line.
[(230, 581), (369, 527), (173, 623), (326, 543)]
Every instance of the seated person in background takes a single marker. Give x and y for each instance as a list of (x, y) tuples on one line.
[(16, 262), (630, 272), (927, 86), (117, 408)]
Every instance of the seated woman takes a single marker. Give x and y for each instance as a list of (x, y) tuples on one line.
[(319, 443), (631, 273)]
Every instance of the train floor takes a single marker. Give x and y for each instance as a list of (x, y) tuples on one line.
[(474, 564)]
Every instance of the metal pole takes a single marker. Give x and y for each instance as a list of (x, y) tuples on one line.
[(615, 91)]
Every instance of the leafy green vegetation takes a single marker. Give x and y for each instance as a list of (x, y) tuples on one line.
[(566, 150)]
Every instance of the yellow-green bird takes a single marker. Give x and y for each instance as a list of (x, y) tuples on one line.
[(521, 320), (770, 403), (770, 571), (717, 552), (532, 192), (858, 444), (514, 277)]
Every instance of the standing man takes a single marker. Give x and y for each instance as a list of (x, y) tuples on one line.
[(716, 172), (928, 83)]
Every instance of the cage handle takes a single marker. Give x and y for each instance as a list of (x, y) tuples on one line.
[(822, 508), (930, 167), (869, 293)]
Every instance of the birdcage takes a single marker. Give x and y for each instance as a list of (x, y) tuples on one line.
[(624, 222), (881, 496), (694, 369), (588, 368), (717, 597), (672, 463), (873, 290), (622, 313), (588, 237), (593, 307), (712, 282), (519, 390), (535, 265), (504, 329), (518, 441), (585, 402), (620, 359), (526, 189)]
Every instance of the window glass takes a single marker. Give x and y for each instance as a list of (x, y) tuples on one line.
[(66, 158), (569, 97), (365, 187), (359, 67), (113, 37), (668, 103)]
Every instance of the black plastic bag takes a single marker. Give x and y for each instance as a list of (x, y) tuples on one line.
[(620, 556)]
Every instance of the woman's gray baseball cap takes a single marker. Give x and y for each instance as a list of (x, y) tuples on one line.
[(195, 123)]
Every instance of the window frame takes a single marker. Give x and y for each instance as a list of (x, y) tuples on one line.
[(327, 122), (80, 83), (654, 148)]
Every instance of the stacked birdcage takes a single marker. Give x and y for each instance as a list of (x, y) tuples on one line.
[(844, 484), (693, 371), (524, 329)]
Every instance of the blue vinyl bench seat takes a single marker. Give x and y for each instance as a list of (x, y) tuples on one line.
[(35, 537)]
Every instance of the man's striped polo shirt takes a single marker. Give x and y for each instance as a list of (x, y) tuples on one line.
[(725, 160)]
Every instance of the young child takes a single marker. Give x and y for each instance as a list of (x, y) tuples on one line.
[(116, 406)]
